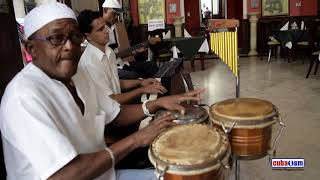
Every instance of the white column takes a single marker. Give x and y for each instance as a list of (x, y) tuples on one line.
[(253, 34), (18, 6), (177, 26)]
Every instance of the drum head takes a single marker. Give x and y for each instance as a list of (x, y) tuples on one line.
[(193, 114), (188, 147), (243, 111)]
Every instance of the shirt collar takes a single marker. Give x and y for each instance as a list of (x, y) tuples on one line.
[(95, 50)]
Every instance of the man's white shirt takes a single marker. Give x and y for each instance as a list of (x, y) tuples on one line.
[(43, 128), (102, 67)]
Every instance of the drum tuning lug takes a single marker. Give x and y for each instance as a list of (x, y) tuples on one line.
[(272, 154), (228, 130), (159, 173), (226, 166)]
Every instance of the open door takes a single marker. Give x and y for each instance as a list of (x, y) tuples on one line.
[(192, 16)]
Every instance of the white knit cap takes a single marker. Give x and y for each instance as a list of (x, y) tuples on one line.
[(114, 4), (43, 14)]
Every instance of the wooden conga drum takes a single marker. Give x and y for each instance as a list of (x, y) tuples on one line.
[(248, 122), (190, 152)]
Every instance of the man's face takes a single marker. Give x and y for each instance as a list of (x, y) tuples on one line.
[(57, 61), (110, 16), (100, 32)]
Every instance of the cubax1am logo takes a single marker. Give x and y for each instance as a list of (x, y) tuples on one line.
[(287, 163)]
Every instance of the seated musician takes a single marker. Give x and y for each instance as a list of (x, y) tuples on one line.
[(100, 62), (140, 67), (51, 121)]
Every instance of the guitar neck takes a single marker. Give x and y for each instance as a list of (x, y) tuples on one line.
[(128, 51)]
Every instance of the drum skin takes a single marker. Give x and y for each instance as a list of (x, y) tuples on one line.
[(250, 138), (193, 114), (171, 148)]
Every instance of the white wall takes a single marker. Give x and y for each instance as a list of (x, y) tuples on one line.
[(182, 10), (245, 9), (18, 6)]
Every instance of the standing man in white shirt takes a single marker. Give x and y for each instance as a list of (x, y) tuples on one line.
[(100, 61), (50, 122), (111, 12)]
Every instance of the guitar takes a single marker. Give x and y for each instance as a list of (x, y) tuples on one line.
[(138, 48)]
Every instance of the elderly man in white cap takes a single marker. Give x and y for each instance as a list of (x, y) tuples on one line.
[(137, 68), (50, 122)]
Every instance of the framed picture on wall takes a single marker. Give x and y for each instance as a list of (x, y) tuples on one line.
[(151, 9), (172, 7), (275, 7), (254, 4)]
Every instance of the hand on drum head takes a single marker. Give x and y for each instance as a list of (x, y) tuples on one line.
[(145, 136), (173, 102)]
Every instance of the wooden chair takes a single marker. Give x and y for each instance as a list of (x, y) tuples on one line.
[(273, 47), (160, 52), (314, 60)]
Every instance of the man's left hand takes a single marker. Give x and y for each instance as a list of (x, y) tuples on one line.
[(173, 102), (149, 81)]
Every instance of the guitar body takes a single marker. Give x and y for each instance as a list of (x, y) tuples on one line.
[(125, 50), (123, 40)]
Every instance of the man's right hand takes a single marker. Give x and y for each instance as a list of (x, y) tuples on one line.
[(153, 89), (145, 136)]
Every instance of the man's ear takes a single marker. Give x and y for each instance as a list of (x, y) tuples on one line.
[(88, 37), (29, 45)]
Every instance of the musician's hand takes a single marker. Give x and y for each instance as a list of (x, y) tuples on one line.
[(154, 40), (173, 102), (149, 81), (146, 135), (137, 51), (153, 89)]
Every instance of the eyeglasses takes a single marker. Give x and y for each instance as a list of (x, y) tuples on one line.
[(61, 39)]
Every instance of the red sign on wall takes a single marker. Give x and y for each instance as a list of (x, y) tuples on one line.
[(303, 7), (172, 10), (254, 6)]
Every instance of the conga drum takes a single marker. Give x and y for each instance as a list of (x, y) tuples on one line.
[(190, 152), (193, 114), (248, 121)]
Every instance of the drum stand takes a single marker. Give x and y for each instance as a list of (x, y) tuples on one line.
[(237, 170), (236, 161)]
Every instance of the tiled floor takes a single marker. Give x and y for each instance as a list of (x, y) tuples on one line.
[(284, 85)]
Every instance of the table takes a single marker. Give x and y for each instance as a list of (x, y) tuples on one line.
[(188, 46), (292, 36)]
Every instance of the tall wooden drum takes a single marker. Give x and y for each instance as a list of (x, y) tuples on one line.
[(248, 122), (190, 152)]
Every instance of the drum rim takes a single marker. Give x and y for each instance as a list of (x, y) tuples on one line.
[(204, 116), (183, 169), (244, 121)]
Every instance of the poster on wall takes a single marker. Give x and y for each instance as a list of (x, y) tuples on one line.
[(275, 7), (151, 9)]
